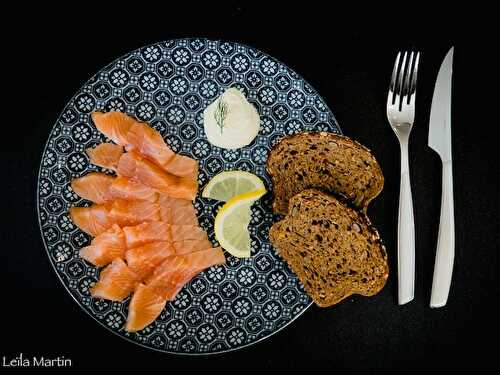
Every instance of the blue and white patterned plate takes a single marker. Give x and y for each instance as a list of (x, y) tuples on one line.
[(169, 85)]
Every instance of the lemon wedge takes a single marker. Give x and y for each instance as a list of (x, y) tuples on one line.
[(229, 184), (231, 223)]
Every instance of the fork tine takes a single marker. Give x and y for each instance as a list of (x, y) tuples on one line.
[(391, 97), (400, 83), (406, 87), (413, 86)]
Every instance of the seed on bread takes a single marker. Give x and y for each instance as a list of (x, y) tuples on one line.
[(326, 161), (333, 249)]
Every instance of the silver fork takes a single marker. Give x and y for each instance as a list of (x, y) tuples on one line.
[(401, 113)]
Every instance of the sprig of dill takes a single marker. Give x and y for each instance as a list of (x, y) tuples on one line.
[(221, 114)]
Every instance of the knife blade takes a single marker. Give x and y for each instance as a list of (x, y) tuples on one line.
[(440, 141)]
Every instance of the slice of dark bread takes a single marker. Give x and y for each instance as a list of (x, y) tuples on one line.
[(326, 161), (333, 249)]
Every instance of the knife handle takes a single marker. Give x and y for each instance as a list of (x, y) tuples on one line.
[(406, 234), (445, 253)]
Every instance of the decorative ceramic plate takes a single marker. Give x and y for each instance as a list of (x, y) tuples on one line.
[(169, 85)]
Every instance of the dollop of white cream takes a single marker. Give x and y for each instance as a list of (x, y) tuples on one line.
[(231, 121)]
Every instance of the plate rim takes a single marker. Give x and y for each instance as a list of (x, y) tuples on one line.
[(53, 266)]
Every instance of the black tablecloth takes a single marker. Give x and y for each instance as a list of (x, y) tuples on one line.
[(349, 63)]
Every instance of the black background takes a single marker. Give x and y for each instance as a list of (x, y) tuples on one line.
[(349, 61)]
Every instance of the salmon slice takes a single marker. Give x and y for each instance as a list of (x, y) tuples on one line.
[(135, 167), (97, 218), (147, 141), (105, 247), (187, 232), (173, 203), (144, 259), (92, 220), (174, 285), (105, 155), (183, 166), (93, 186), (114, 125), (124, 188), (145, 306), (185, 216), (190, 246), (169, 274), (137, 136), (177, 211), (175, 271), (144, 233), (127, 212), (116, 282)]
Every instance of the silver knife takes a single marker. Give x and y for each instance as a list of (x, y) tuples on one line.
[(440, 141)]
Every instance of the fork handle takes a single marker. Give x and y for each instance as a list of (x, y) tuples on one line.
[(406, 234)]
